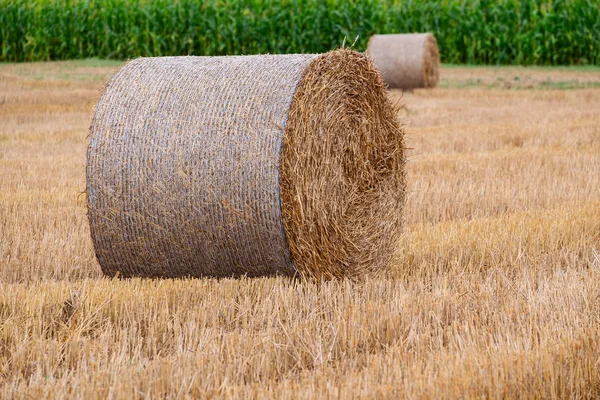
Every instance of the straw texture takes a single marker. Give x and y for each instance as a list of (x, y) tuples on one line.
[(183, 165), (406, 61), (342, 170)]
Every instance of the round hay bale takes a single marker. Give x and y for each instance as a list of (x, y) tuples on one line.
[(248, 165), (406, 61)]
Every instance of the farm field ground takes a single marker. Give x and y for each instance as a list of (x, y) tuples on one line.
[(495, 291)]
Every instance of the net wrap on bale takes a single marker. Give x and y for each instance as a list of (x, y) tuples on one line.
[(231, 166), (406, 61)]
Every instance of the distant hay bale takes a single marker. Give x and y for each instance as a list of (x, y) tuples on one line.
[(249, 165), (406, 61)]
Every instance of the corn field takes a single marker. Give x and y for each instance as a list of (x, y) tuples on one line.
[(474, 32)]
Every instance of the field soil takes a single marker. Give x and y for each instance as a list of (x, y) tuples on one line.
[(495, 291)]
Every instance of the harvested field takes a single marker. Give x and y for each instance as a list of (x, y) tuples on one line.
[(495, 292)]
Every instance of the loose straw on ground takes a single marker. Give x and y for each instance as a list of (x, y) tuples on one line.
[(251, 165), (406, 61)]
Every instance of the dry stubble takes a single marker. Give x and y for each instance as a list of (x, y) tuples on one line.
[(496, 292)]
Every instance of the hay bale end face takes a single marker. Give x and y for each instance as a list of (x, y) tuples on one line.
[(406, 61), (251, 165)]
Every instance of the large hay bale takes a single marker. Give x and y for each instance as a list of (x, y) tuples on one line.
[(250, 165), (406, 61)]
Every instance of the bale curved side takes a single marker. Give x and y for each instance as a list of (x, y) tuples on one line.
[(406, 61), (187, 176), (183, 166)]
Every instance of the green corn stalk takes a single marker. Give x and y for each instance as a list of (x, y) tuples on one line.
[(475, 32)]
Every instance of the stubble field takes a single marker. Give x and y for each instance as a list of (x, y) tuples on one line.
[(495, 292)]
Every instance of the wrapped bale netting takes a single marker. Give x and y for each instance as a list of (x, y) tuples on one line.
[(406, 61), (248, 165)]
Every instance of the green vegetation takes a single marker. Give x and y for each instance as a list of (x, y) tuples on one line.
[(474, 32)]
